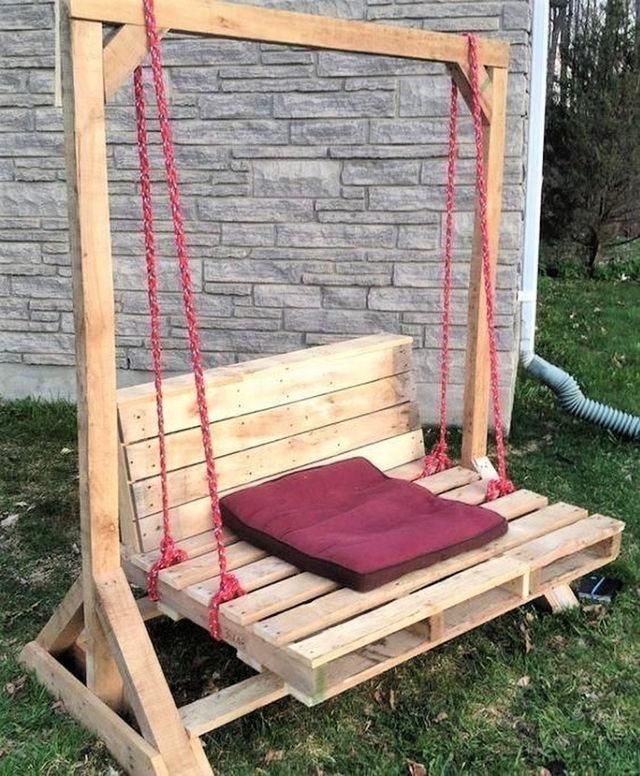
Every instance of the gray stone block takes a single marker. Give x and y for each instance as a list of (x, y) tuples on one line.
[(388, 172), (335, 235), (338, 105), (226, 106), (425, 237), (276, 295), (299, 178), (349, 298), (425, 96), (340, 321), (250, 210), (328, 132)]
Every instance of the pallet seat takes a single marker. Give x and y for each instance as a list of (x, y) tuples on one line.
[(309, 636)]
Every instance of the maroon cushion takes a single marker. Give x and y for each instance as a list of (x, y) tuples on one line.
[(351, 523)]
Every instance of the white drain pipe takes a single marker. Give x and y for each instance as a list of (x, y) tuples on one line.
[(533, 190)]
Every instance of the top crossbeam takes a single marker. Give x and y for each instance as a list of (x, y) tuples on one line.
[(208, 17)]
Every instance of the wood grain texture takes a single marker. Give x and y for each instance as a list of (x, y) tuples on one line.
[(298, 29), (93, 305), (475, 413)]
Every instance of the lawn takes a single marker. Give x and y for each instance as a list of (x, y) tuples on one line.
[(528, 694)]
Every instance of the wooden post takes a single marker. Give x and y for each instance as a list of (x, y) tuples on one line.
[(476, 382), (93, 303)]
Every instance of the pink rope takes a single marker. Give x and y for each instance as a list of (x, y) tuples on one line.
[(229, 587), (438, 459), (170, 554)]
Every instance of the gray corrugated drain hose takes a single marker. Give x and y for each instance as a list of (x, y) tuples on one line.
[(576, 403)]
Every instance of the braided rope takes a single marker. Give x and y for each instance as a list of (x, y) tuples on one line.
[(229, 586), (169, 552), (438, 459), (502, 485)]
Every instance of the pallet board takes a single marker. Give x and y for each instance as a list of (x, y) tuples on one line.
[(315, 638)]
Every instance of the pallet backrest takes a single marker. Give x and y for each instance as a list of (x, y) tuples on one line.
[(269, 416)]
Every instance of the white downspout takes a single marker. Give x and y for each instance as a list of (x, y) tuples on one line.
[(533, 190)]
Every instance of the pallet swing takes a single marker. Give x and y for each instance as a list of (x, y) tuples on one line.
[(151, 487)]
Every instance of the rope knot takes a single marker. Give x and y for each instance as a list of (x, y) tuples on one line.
[(170, 555), (437, 460), (228, 589), (499, 487)]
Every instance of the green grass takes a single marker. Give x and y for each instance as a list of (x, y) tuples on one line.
[(457, 710)]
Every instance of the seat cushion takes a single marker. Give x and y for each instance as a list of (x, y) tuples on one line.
[(350, 522)]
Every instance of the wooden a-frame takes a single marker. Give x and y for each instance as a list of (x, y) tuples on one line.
[(121, 665)]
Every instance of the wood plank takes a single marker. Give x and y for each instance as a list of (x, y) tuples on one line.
[(129, 531), (256, 385), (261, 573), (571, 538), (147, 690), (518, 503), (474, 494), (128, 748), (194, 570), (277, 457), (298, 29), (193, 546), (333, 642), (233, 702), (455, 477), (122, 54), (561, 598), (476, 383), (274, 598), (184, 448), (93, 307), (297, 623), (66, 623)]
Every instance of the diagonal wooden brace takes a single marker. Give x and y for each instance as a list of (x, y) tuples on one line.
[(122, 54), (146, 686)]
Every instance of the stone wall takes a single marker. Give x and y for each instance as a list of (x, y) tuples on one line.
[(313, 184)]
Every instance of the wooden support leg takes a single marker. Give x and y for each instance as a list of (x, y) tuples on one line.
[(66, 623), (561, 598), (131, 750), (146, 686)]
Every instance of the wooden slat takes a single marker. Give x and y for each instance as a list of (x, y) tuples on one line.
[(344, 603), (455, 477), (266, 382), (333, 642), (233, 702), (571, 538), (184, 448), (274, 26), (284, 595), (474, 493), (204, 566), (261, 573), (127, 747), (193, 546)]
